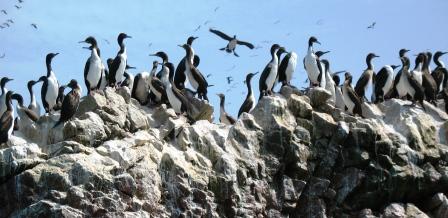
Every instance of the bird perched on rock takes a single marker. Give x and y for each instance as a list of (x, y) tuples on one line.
[(70, 103)]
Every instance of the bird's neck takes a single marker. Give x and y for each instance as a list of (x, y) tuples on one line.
[(9, 105), (310, 49), (418, 66), (249, 88), (274, 57), (439, 63), (95, 53), (221, 103), (49, 69), (3, 88), (32, 98), (122, 48), (369, 64)]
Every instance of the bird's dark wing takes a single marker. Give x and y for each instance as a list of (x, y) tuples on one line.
[(157, 84), (69, 106), (282, 68), (197, 75), (179, 76), (6, 121), (264, 75), (249, 45), (362, 82), (380, 79), (231, 119), (113, 69), (33, 116), (196, 61), (438, 74), (246, 106), (221, 34), (86, 69), (304, 65)]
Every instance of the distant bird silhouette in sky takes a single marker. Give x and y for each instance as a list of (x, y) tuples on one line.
[(9, 20), (229, 79), (320, 22), (277, 22), (34, 25), (18, 7), (20, 1), (2, 27), (209, 75), (197, 28), (371, 26), (216, 9), (4, 12), (3, 55), (207, 22), (149, 45), (232, 42), (6, 24)]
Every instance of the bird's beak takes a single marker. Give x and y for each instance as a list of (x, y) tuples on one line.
[(129, 37), (81, 41), (444, 53), (318, 42), (130, 67), (56, 54), (256, 73), (376, 56), (180, 46), (152, 55), (195, 37)]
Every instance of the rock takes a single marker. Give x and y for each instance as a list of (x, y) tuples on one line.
[(286, 158), (319, 96), (88, 129), (300, 106)]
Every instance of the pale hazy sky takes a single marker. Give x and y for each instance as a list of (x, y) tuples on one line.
[(340, 25)]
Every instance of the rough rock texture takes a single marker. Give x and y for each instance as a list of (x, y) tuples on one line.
[(291, 157)]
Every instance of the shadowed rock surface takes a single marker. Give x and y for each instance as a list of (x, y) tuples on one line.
[(291, 157)]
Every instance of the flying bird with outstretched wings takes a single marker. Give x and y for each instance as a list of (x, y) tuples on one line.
[(371, 26), (18, 7), (233, 42), (4, 12), (34, 25)]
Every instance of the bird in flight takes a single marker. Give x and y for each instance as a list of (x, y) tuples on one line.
[(20, 1), (206, 22), (216, 9), (107, 41), (3, 11), (3, 55), (198, 28), (277, 22), (371, 26), (233, 42), (320, 22), (34, 25), (233, 67), (9, 20), (6, 24), (229, 79), (209, 75), (149, 45), (2, 27), (18, 7)]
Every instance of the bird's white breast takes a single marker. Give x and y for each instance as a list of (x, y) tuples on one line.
[(311, 66), (52, 90), (120, 71), (292, 63), (95, 71)]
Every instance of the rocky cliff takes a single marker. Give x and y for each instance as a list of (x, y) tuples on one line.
[(294, 155)]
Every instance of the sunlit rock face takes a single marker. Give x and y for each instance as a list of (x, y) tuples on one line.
[(294, 155)]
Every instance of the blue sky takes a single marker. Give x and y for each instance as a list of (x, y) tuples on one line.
[(340, 25)]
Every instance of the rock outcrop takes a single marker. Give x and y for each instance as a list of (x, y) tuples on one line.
[(293, 156)]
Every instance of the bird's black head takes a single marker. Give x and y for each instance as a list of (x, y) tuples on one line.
[(4, 81), (109, 62), (18, 98), (220, 95), (348, 77), (313, 40), (428, 57), (50, 57), (61, 89), (326, 64), (439, 54), (73, 84), (191, 39), (31, 83), (249, 76), (403, 52), (162, 55), (9, 95), (90, 40), (42, 79), (121, 37), (320, 53), (336, 79), (394, 66), (420, 58), (371, 56), (274, 48)]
